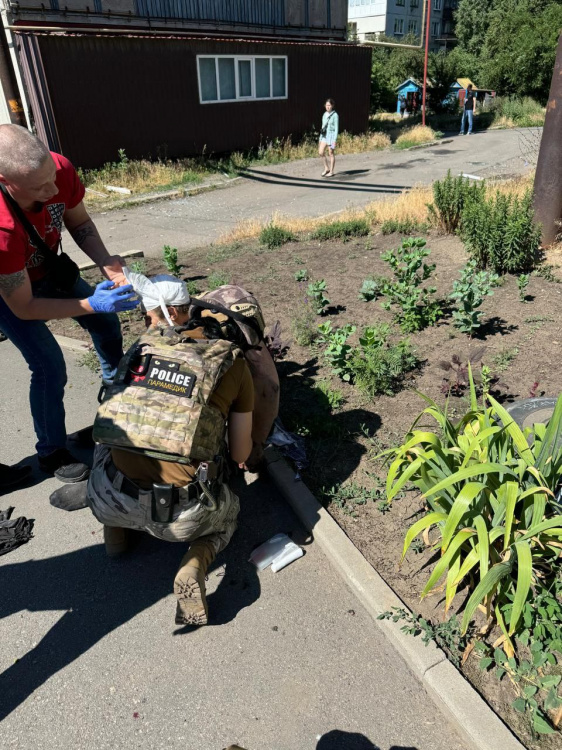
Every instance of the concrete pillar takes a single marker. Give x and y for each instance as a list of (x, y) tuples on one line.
[(548, 178)]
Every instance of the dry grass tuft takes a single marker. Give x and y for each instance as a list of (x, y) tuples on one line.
[(386, 117), (409, 206), (416, 136)]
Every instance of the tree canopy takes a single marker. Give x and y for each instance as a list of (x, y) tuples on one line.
[(508, 46)]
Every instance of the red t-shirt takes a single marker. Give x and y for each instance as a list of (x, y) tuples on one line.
[(16, 249)]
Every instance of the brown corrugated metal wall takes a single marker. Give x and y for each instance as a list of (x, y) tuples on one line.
[(141, 94)]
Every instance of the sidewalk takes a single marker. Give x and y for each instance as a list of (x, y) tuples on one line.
[(91, 658), (297, 189)]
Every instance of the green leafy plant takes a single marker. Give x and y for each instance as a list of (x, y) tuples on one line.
[(371, 288), (138, 266), (546, 271), (450, 197), (469, 293), (503, 359), (378, 366), (301, 275), (522, 284), (170, 255), (445, 634), (216, 279), (416, 309), (315, 292), (500, 233), (192, 288), (337, 349), (341, 230), (534, 684), (273, 236), (89, 360), (333, 396), (347, 497), (490, 493)]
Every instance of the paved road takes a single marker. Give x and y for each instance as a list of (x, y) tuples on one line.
[(90, 656), (296, 189)]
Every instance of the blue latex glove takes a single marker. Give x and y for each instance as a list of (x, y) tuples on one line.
[(108, 300)]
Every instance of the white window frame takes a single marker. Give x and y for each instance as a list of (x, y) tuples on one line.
[(252, 59), (412, 26), (399, 21), (436, 28), (437, 4)]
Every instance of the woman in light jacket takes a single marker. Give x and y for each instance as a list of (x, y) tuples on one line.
[(328, 137)]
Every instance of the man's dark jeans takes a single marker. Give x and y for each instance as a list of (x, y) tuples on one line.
[(46, 362)]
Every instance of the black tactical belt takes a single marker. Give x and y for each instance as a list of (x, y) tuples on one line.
[(132, 490)]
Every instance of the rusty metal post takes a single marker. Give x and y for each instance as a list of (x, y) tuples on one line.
[(548, 178)]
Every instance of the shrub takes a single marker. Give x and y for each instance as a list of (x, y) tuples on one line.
[(406, 226), (489, 490), (518, 112), (450, 196), (341, 230), (304, 328), (315, 292), (170, 255), (273, 236), (416, 309), (301, 275), (469, 293), (500, 233), (377, 366)]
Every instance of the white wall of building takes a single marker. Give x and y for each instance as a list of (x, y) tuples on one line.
[(394, 18)]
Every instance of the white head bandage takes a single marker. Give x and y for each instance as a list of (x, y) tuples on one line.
[(158, 291)]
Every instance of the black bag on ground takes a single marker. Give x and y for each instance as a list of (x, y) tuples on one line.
[(62, 271), (13, 533)]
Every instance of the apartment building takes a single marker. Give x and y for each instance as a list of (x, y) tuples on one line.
[(369, 19)]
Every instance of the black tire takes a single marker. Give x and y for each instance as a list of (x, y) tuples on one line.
[(530, 411)]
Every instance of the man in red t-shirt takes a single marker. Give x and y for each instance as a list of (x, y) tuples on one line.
[(46, 187)]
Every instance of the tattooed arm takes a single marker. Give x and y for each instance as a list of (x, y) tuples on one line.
[(85, 234), (15, 290)]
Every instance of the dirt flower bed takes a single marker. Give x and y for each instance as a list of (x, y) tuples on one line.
[(345, 429)]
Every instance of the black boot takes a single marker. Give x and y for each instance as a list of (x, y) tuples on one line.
[(64, 466), (11, 476)]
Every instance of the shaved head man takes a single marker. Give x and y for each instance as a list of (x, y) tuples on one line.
[(41, 192)]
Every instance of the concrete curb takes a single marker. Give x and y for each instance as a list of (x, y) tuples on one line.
[(165, 195), (127, 254), (440, 142), (75, 345), (475, 721)]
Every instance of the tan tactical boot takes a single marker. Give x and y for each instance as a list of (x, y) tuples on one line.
[(189, 584), (116, 540)]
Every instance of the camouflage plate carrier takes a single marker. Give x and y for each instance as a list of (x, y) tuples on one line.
[(158, 404)]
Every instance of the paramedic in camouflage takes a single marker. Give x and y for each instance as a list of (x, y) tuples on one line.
[(262, 367), (156, 426)]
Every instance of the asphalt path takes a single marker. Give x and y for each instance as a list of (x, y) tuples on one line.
[(297, 189), (90, 656)]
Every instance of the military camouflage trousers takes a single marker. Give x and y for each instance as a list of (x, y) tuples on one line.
[(192, 520)]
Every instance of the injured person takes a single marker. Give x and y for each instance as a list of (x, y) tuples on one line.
[(180, 405)]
